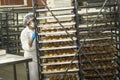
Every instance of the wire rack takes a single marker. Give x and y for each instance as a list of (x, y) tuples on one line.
[(80, 39), (100, 43), (11, 26)]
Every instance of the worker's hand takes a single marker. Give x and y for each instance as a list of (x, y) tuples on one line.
[(33, 36)]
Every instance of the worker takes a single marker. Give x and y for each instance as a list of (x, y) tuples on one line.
[(29, 45)]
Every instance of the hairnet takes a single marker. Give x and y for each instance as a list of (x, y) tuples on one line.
[(28, 17)]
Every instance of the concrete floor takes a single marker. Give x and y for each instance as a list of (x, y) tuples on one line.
[(6, 72)]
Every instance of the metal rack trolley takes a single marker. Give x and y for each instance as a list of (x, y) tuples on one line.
[(54, 59), (98, 26), (96, 39)]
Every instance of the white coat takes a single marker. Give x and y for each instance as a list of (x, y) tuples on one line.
[(30, 52)]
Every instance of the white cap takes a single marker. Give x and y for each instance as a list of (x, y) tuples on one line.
[(28, 17)]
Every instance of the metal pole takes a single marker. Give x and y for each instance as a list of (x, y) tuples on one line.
[(27, 71), (78, 40), (35, 5), (14, 71)]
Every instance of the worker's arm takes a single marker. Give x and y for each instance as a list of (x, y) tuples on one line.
[(31, 39), (30, 42)]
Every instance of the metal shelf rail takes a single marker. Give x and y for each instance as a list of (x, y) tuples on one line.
[(117, 33)]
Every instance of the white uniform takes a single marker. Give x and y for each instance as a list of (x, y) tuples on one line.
[(26, 34)]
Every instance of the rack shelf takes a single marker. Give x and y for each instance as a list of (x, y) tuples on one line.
[(58, 63), (98, 28), (56, 9), (62, 40), (95, 13), (61, 16), (49, 25), (58, 72), (58, 56), (104, 75), (103, 60), (57, 33), (98, 5), (57, 48)]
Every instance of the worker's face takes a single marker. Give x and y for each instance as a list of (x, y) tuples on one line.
[(31, 24)]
